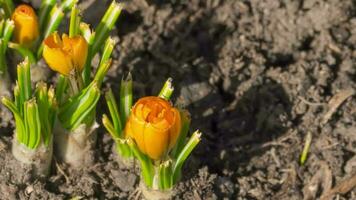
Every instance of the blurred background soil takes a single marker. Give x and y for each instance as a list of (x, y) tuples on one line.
[(257, 77)]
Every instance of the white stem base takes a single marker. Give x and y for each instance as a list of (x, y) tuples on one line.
[(75, 147), (152, 194), (38, 159)]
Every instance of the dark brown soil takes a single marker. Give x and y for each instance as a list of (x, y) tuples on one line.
[(257, 76)]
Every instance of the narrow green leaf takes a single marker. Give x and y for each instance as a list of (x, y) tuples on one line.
[(55, 17), (185, 120), (100, 74), (2, 26), (74, 22), (108, 48), (109, 127), (8, 6), (76, 111), (53, 107), (167, 174), (167, 90), (125, 98), (24, 81), (20, 126), (106, 25), (86, 32), (188, 148), (114, 112), (68, 4), (46, 7), (147, 168), (61, 87), (33, 123), (8, 30), (43, 107)]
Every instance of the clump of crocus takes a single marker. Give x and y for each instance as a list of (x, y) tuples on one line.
[(31, 28), (156, 134), (34, 112), (78, 93)]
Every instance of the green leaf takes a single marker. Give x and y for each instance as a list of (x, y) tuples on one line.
[(33, 124), (8, 7), (106, 25), (188, 148), (109, 127), (108, 48), (86, 33), (55, 17), (185, 120), (167, 90), (77, 109), (147, 168), (114, 112), (74, 22), (68, 4), (20, 125), (24, 81), (44, 108), (8, 30), (100, 74), (125, 98), (61, 87), (46, 7)]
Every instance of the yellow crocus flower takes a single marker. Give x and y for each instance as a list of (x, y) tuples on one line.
[(26, 25), (66, 54), (154, 125)]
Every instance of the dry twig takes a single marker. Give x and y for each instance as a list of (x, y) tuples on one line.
[(342, 188)]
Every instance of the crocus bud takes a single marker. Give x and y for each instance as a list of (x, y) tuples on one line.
[(66, 54), (26, 25), (154, 125)]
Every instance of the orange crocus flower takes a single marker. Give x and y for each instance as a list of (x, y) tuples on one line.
[(26, 25), (64, 55), (154, 125)]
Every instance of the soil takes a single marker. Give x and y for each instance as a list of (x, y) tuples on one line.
[(257, 77)]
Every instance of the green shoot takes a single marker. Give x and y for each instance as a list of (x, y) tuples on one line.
[(308, 140), (125, 98), (167, 90)]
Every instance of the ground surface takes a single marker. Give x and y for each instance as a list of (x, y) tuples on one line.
[(257, 77)]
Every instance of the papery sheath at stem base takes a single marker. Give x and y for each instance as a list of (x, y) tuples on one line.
[(75, 148), (152, 194), (37, 160)]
